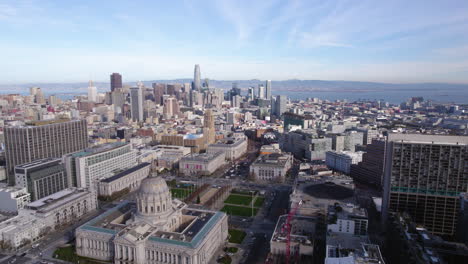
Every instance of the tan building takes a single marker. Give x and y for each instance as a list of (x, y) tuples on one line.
[(201, 164), (271, 167)]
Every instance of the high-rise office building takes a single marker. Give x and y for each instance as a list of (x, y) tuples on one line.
[(261, 91), (39, 97), (209, 127), (158, 91), (268, 90), (136, 99), (116, 81), (92, 92), (279, 105), (42, 139), (171, 107), (197, 78), (424, 176), (251, 93)]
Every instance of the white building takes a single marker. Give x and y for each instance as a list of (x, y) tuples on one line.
[(40, 217), (233, 147), (157, 229), (347, 218), (13, 198), (87, 167), (271, 167), (341, 161), (201, 164), (92, 92), (63, 207), (130, 178), (20, 230)]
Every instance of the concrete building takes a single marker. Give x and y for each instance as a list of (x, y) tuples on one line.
[(271, 167), (424, 176), (268, 90), (233, 147), (370, 170), (171, 107), (43, 139), (201, 164), (43, 177), (155, 229), (291, 119), (13, 198), (136, 99), (21, 230), (348, 219), (305, 144), (127, 179), (278, 105), (302, 237), (85, 168), (342, 161), (64, 207)]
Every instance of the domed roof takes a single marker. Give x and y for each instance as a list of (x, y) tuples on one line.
[(153, 186)]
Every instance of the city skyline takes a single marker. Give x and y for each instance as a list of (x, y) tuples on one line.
[(421, 41)]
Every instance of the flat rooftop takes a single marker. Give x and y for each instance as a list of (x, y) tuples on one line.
[(428, 139), (99, 149), (126, 172), (57, 199)]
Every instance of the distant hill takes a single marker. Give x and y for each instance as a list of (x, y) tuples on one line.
[(286, 85)]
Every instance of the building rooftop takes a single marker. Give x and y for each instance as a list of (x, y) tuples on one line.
[(55, 200), (273, 159), (189, 234), (99, 149), (37, 163), (205, 157), (126, 172)]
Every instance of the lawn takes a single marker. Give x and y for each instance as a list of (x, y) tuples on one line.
[(238, 199), (68, 254), (236, 236), (232, 250), (239, 210), (180, 193), (259, 202), (225, 260)]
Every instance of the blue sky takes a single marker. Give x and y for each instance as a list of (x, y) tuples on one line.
[(364, 40)]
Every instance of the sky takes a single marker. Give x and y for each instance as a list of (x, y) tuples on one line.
[(357, 40)]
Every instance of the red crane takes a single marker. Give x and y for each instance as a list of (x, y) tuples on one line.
[(287, 226)]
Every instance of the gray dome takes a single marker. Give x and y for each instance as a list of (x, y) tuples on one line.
[(153, 186)]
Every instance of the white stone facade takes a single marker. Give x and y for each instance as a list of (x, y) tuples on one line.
[(64, 207), (130, 178), (271, 167), (155, 230), (204, 164), (233, 148)]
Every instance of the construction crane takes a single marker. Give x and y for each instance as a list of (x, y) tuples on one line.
[(288, 227)]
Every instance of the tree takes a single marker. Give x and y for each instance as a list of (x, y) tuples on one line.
[(198, 199)]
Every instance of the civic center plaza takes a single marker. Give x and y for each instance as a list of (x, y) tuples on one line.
[(154, 229)]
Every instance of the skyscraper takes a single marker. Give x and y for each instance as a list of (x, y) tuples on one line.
[(251, 93), (424, 176), (136, 99), (43, 139), (261, 91), (158, 91), (268, 90), (279, 105), (116, 81), (197, 78), (92, 92), (209, 127)]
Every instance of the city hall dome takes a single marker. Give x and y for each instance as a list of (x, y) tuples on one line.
[(154, 200)]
